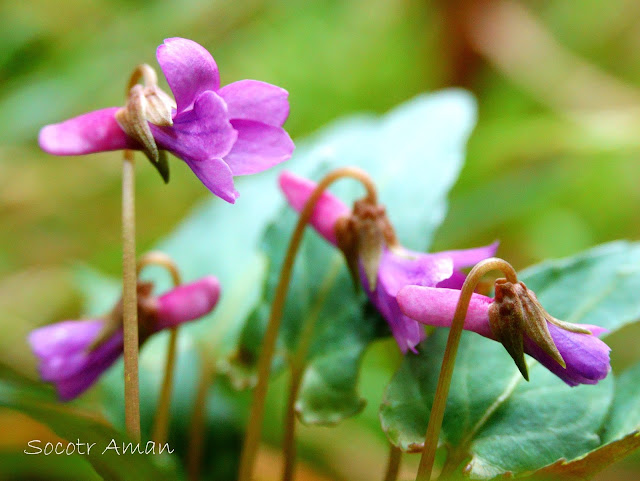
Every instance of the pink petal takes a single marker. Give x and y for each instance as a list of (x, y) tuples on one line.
[(258, 147), (187, 302), (216, 176), (327, 211), (201, 133), (255, 100), (435, 307), (189, 69), (95, 131)]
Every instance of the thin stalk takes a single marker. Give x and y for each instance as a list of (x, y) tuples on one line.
[(450, 465), (197, 428), (256, 416), (446, 371), (130, 299), (297, 365), (393, 465), (161, 425), (289, 444), (129, 282)]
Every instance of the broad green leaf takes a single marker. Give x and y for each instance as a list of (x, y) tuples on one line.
[(496, 419), (74, 424), (598, 286), (624, 417), (414, 155), (620, 435)]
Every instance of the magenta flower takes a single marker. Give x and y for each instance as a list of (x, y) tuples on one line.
[(73, 354), (218, 132), (398, 267), (586, 357)]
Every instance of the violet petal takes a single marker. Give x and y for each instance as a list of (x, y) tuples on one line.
[(216, 176), (586, 356), (96, 363), (63, 337), (258, 147), (469, 257), (396, 271), (189, 69), (200, 133), (258, 101)]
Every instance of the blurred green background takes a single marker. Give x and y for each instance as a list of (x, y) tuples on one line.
[(552, 166)]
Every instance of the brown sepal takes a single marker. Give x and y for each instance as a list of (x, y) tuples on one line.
[(147, 104), (507, 324), (362, 236), (133, 120), (516, 312)]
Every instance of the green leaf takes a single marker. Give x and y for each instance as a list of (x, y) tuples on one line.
[(74, 424), (494, 417), (620, 434), (414, 155), (598, 286)]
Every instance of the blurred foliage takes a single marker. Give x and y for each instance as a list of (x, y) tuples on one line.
[(551, 168)]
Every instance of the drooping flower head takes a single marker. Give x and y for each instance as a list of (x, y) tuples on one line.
[(515, 318), (378, 261), (409, 288), (73, 354), (218, 132)]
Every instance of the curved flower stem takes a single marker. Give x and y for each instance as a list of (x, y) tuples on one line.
[(393, 466), (161, 425), (129, 280), (197, 428), (256, 415), (446, 371)]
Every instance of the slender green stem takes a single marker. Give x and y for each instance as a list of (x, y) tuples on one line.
[(446, 371), (256, 416), (198, 420), (298, 364), (450, 465), (161, 425), (393, 465), (289, 444), (129, 280), (130, 299)]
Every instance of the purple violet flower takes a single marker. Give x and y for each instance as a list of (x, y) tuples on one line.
[(586, 357), (398, 267), (218, 132), (72, 354)]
